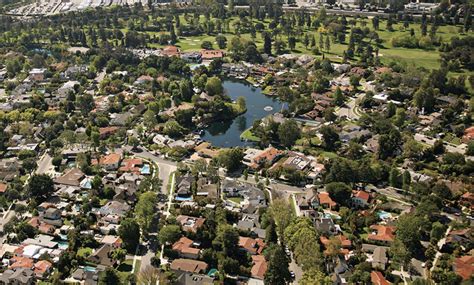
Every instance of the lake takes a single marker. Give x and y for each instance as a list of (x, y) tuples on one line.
[(227, 133)]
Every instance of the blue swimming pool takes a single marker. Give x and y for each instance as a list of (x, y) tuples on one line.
[(183, 199), (145, 169), (90, 268), (384, 215), (63, 245)]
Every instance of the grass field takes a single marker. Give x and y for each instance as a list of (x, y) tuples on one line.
[(422, 58)]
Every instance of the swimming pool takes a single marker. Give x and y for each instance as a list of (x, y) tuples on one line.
[(63, 245), (183, 199), (145, 169), (384, 215), (90, 268)]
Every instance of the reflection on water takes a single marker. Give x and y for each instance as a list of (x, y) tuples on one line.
[(227, 134)]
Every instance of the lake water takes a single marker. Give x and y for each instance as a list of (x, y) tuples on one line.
[(227, 133)]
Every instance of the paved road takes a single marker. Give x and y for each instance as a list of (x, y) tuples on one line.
[(45, 164), (166, 167), (351, 110)]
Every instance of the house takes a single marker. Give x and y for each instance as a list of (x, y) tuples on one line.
[(184, 185), (106, 132), (131, 165), (211, 54), (21, 262), (377, 278), (192, 57), (360, 199), (103, 256), (325, 200), (464, 266), (110, 161), (52, 216), (185, 249), (188, 265), (252, 246), (170, 51), (345, 243), (3, 187), (114, 208), (190, 224), (111, 240), (144, 79), (259, 267), (326, 225), (468, 135), (20, 276), (461, 237), (72, 177), (379, 258), (267, 157), (296, 161), (467, 200), (187, 278), (384, 234), (67, 87), (85, 277), (42, 269), (37, 74)]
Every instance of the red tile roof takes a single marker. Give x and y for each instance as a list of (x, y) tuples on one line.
[(3, 187), (110, 159), (184, 245), (384, 233), (211, 54), (188, 265), (259, 267), (324, 199), (22, 262), (253, 246), (42, 266), (345, 242), (131, 165), (104, 132), (377, 278), (464, 266), (362, 195), (170, 51)]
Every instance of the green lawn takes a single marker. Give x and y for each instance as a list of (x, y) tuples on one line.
[(236, 199), (84, 252), (249, 136)]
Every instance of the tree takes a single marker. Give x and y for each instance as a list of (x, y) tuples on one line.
[(145, 210), (40, 186), (221, 41), (394, 177), (149, 119), (339, 192), (328, 44), (169, 234), (214, 86), (288, 133), (129, 232), (315, 277), (338, 97), (241, 103), (282, 215), (227, 239), (277, 272), (267, 43), (109, 277), (330, 137), (173, 128), (408, 232), (231, 158)]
